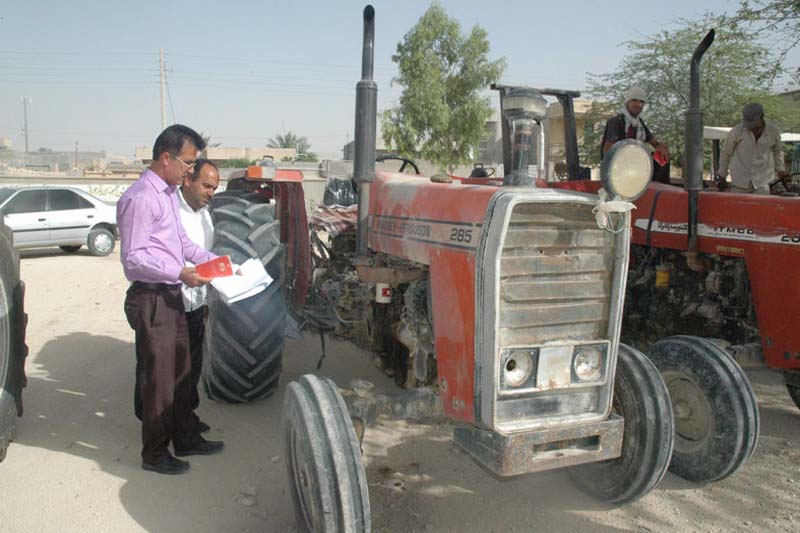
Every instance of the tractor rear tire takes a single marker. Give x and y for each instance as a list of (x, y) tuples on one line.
[(716, 415), (323, 459), (12, 340), (641, 398), (244, 341)]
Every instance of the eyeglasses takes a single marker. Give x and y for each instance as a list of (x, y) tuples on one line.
[(189, 164)]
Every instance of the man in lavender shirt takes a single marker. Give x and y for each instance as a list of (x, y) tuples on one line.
[(154, 252)]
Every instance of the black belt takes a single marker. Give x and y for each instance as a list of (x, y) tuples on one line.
[(143, 285)]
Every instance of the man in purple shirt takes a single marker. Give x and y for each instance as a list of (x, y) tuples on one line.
[(154, 252)]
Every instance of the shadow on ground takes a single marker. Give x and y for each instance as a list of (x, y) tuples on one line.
[(79, 402), (54, 251)]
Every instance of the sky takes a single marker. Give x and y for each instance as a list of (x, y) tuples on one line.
[(244, 71)]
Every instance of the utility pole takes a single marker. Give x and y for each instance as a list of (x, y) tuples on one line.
[(163, 99), (76, 154), (25, 101)]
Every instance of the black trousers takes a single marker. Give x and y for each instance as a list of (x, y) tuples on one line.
[(163, 370), (196, 320)]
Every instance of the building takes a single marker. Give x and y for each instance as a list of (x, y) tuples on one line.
[(220, 154), (348, 150)]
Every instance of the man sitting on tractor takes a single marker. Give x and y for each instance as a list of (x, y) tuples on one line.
[(628, 124), (752, 152)]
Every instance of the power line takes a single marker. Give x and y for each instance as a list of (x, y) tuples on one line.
[(297, 64), (169, 96), (72, 53)]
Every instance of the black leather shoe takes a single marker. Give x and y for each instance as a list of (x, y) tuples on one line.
[(201, 427), (201, 447), (169, 466)]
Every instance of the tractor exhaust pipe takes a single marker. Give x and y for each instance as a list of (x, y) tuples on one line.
[(365, 134), (693, 149)]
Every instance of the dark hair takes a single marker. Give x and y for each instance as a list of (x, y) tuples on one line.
[(174, 138), (198, 167)]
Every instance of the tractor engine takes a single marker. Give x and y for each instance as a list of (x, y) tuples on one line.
[(395, 325), (663, 297)]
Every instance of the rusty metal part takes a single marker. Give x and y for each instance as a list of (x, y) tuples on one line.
[(415, 330), (695, 261), (413, 404), (394, 276), (534, 451)]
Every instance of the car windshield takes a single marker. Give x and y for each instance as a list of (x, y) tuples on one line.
[(5, 193)]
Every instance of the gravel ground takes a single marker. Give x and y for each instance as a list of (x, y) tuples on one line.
[(75, 463)]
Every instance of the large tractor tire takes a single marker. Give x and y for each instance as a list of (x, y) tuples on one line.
[(323, 459), (716, 416), (12, 339), (641, 398), (244, 341)]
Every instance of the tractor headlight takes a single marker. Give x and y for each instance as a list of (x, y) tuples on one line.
[(626, 170), (517, 368), (588, 363)]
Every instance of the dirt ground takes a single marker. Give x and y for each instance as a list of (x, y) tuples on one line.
[(75, 463)]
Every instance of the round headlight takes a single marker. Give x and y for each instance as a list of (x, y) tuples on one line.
[(518, 368), (626, 170), (588, 363)]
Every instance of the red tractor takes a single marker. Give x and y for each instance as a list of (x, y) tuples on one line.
[(717, 265), (498, 304)]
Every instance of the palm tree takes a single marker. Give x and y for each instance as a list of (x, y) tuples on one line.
[(207, 139), (290, 140)]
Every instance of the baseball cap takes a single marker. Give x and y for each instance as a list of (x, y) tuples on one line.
[(751, 115), (635, 93)]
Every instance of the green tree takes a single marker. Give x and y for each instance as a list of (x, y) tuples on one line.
[(290, 140), (778, 21), (234, 163), (734, 71), (441, 112)]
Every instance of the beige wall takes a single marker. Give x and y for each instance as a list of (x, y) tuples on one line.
[(224, 153)]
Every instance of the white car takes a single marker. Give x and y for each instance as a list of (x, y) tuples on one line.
[(59, 216)]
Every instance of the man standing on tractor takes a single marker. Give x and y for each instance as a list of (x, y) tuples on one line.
[(154, 251), (628, 124), (194, 195), (752, 152)]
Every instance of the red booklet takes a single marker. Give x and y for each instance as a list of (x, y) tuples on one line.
[(216, 268)]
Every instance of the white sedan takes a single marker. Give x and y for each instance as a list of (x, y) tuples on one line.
[(59, 216)]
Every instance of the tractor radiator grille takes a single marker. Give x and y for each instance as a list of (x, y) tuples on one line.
[(555, 276)]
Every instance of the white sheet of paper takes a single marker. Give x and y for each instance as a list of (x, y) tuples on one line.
[(253, 279)]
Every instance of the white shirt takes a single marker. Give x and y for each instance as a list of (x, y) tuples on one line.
[(752, 161), (200, 230)]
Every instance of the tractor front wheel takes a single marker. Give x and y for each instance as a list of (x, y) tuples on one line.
[(641, 398), (716, 416), (792, 380), (323, 458)]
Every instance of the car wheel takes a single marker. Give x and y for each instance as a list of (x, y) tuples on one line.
[(70, 249), (100, 242)]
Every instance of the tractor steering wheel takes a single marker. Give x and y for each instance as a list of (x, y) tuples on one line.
[(395, 157)]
